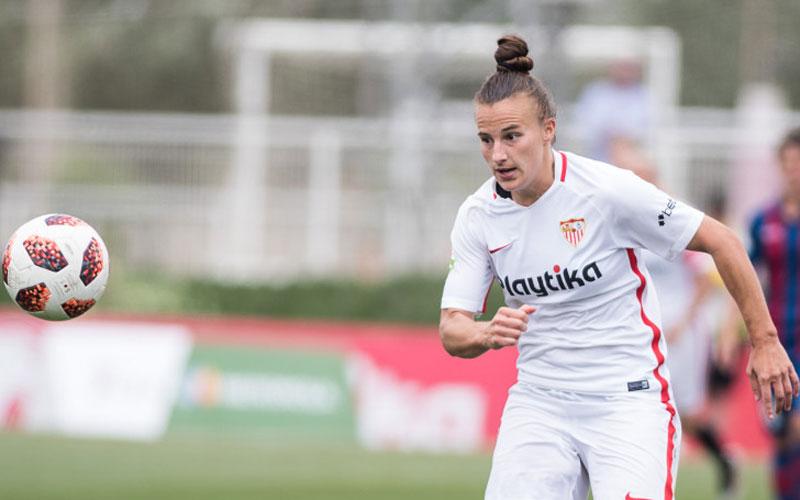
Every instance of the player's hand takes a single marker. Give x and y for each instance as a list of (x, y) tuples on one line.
[(771, 372), (507, 326)]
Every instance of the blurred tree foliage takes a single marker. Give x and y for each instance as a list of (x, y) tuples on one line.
[(161, 65), (712, 35), (788, 60), (709, 31), (12, 36), (160, 55)]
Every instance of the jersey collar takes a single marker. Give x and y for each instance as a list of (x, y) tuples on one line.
[(500, 192)]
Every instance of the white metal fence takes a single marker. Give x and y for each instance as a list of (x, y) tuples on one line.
[(356, 197)]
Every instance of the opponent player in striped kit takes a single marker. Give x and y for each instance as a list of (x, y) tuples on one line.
[(562, 235), (775, 246)]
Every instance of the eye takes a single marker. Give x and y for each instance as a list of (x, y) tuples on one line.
[(486, 139), (512, 135)]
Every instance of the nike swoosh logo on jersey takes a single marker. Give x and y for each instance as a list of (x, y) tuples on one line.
[(629, 497), (500, 248)]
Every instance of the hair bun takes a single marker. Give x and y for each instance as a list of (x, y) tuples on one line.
[(511, 55)]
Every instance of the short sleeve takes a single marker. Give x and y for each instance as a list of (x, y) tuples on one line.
[(646, 217), (471, 273)]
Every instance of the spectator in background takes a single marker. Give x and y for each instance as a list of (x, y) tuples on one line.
[(775, 248), (615, 107), (687, 289)]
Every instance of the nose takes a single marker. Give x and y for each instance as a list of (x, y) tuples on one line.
[(499, 154)]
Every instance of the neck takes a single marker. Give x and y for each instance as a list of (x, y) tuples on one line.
[(791, 206), (528, 196)]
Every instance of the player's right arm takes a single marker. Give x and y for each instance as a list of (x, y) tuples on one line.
[(464, 337), (465, 291)]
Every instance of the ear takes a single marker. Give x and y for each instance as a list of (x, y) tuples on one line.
[(549, 129)]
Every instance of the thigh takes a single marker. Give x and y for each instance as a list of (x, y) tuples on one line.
[(534, 458), (632, 449)]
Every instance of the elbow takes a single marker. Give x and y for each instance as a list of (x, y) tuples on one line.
[(715, 238), (728, 240), (457, 352), (460, 335), (452, 346), (452, 352), (446, 342)]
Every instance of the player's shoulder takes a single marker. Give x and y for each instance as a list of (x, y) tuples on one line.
[(593, 175), (480, 199), (474, 211)]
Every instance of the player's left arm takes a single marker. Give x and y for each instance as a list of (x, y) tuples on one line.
[(769, 367)]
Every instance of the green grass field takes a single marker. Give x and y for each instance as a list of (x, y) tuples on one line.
[(204, 467), (184, 467)]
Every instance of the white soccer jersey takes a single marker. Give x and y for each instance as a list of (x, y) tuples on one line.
[(575, 255)]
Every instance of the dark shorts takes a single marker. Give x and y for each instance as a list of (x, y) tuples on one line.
[(720, 379)]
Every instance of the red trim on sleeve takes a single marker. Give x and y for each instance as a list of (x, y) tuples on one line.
[(668, 493), (563, 166)]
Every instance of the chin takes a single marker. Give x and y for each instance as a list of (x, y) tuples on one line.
[(507, 185)]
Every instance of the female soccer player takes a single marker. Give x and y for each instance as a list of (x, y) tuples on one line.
[(562, 235)]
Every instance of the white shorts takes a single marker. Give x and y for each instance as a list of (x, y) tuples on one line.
[(553, 445)]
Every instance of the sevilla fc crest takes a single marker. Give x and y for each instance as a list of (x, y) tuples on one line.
[(573, 230)]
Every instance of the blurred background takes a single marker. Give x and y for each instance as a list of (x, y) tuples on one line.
[(276, 182)]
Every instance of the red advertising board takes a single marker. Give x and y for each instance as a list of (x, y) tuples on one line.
[(407, 392)]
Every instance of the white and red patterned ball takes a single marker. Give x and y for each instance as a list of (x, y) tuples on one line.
[(55, 267)]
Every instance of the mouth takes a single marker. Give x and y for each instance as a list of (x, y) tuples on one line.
[(505, 173)]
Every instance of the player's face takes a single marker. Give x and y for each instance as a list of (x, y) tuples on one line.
[(790, 167), (516, 146)]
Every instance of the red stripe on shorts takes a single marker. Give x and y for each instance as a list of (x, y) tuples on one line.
[(668, 493)]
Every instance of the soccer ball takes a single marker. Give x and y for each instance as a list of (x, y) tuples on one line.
[(55, 267)]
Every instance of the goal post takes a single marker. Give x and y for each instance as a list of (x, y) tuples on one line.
[(429, 49)]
